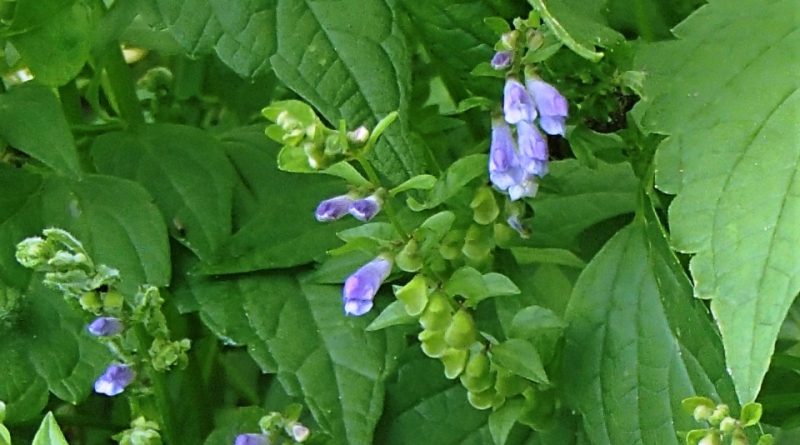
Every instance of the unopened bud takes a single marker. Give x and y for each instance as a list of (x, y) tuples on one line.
[(359, 136)]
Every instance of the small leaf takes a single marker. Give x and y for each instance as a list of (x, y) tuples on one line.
[(766, 439), (578, 26), (377, 231), (439, 223), (751, 414), (533, 255), (49, 433), (531, 320), (498, 284), (503, 419), (694, 437), (689, 404), (468, 283), (520, 357), (394, 315), (419, 182)]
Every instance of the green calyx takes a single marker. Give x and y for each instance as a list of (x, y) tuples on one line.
[(414, 295)]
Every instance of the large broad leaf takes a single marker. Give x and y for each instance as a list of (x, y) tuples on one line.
[(349, 59), (56, 50), (300, 331), (579, 24), (574, 197), (732, 159), (187, 173), (31, 121), (637, 343), (273, 210)]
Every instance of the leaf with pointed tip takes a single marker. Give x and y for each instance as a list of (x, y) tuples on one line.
[(734, 163), (49, 433)]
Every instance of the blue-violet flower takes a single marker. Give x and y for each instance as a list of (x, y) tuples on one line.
[(532, 149), (502, 60), (360, 287), (251, 439), (517, 103), (333, 208), (114, 380), (551, 105), (366, 208), (504, 167), (105, 326)]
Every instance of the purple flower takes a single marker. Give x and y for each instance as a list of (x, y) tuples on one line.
[(502, 60), (251, 439), (105, 326), (526, 188), (516, 223), (532, 149), (333, 208), (360, 287), (552, 106), (504, 167), (114, 380), (366, 208), (517, 103)]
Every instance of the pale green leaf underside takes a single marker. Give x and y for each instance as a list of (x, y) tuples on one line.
[(49, 432), (637, 344), (731, 106)]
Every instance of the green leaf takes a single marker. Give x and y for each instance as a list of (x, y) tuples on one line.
[(461, 173), (562, 257), (573, 197), (395, 314), (377, 231), (579, 24), (419, 182), (31, 121), (498, 284), (49, 433), (531, 320), (751, 414), (520, 357), (248, 35), (298, 330), (503, 419), (350, 61), (468, 283), (638, 343), (29, 14), (187, 173), (273, 210), (734, 167), (56, 51)]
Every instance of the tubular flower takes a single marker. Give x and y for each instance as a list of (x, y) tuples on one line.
[(251, 439), (507, 168), (333, 208), (517, 103), (532, 149), (366, 208), (550, 104), (105, 326), (114, 380), (502, 60), (360, 287)]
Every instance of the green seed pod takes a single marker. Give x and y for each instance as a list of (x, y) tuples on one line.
[(482, 400), (484, 206), (454, 361), (438, 313), (414, 295), (409, 258), (432, 343), (90, 302), (504, 236), (461, 333), (509, 384), (478, 364), (719, 413), (478, 242), (113, 301), (477, 384), (450, 247)]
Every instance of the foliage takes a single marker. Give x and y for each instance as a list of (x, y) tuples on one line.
[(274, 221)]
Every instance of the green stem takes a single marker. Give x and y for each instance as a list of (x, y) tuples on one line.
[(122, 87), (372, 175), (159, 388)]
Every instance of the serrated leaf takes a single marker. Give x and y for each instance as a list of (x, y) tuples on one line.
[(637, 342), (350, 61), (248, 34), (56, 50), (31, 121), (49, 432), (579, 24), (273, 210), (191, 181), (733, 164), (573, 197), (520, 357)]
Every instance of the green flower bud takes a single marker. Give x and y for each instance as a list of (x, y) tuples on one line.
[(90, 302), (270, 422), (113, 301), (432, 343), (461, 333), (450, 246), (702, 413), (164, 353), (33, 252), (454, 361), (142, 432), (316, 158), (409, 258), (438, 313), (719, 413), (509, 384), (477, 242), (728, 424), (482, 400), (484, 206), (711, 438), (414, 295)]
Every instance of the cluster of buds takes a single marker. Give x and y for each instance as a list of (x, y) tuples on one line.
[(722, 428), (68, 268), (362, 209), (303, 135), (275, 427)]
